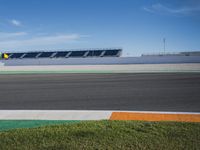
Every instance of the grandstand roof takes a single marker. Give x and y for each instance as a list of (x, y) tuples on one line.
[(66, 54)]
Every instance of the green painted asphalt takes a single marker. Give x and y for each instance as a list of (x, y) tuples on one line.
[(13, 124)]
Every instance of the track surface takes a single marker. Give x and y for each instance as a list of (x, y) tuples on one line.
[(137, 92)]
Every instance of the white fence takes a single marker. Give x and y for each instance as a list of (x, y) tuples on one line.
[(103, 60), (1, 64)]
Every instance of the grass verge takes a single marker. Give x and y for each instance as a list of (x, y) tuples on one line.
[(105, 135)]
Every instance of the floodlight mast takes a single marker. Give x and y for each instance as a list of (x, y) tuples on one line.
[(164, 40)]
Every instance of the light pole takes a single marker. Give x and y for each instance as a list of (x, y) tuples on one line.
[(164, 44)]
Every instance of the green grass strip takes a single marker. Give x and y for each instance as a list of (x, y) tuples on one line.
[(13, 124), (105, 135)]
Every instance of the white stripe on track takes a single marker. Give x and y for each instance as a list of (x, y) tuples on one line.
[(53, 115), (68, 114)]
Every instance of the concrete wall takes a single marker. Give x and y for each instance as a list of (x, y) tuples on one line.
[(123, 68), (1, 64), (103, 60)]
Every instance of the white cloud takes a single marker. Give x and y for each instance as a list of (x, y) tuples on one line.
[(5, 35), (148, 9), (160, 8), (16, 22), (39, 41)]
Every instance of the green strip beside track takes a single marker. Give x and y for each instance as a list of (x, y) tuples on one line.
[(13, 124)]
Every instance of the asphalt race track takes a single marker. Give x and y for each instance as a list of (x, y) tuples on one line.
[(134, 91)]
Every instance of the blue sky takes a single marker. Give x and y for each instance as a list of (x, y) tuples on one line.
[(136, 26)]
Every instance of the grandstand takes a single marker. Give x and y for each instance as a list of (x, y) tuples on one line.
[(93, 57), (66, 54)]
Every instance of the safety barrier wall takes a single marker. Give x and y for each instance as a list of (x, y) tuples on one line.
[(106, 60)]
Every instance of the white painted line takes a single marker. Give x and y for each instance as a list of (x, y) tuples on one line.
[(69, 114), (53, 115)]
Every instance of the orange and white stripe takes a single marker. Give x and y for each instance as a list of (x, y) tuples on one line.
[(98, 115)]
